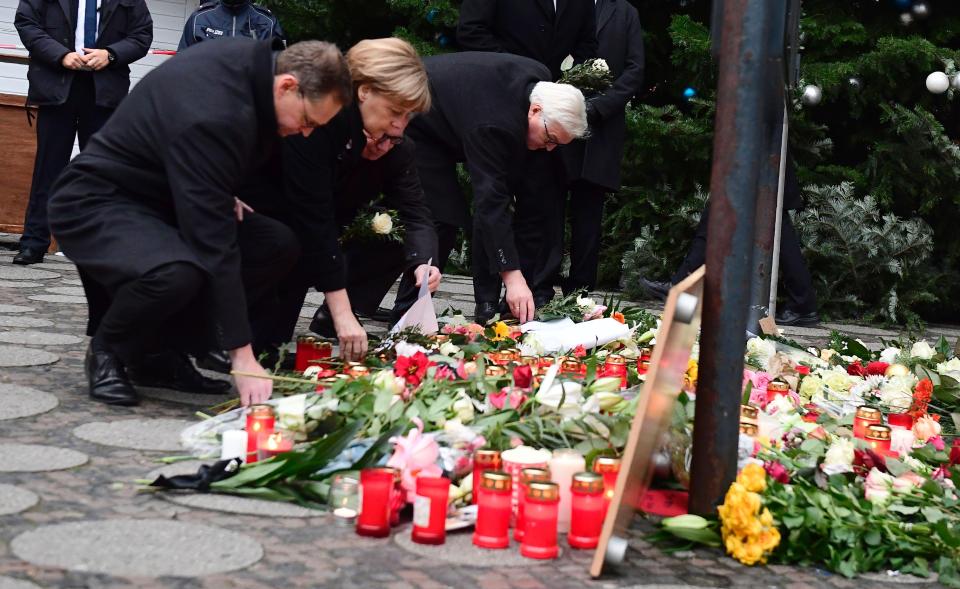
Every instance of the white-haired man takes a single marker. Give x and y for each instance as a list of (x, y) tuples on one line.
[(488, 110)]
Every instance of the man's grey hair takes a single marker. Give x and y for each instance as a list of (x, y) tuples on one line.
[(562, 104)]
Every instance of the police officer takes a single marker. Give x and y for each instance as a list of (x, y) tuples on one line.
[(230, 18)]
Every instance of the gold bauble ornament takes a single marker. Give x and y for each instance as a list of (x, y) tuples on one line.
[(896, 370)]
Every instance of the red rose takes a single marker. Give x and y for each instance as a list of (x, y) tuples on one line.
[(522, 376), (579, 351), (955, 452), (804, 370), (877, 368), (856, 369), (412, 368), (865, 460), (777, 472)]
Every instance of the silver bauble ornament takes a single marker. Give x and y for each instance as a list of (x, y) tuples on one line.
[(906, 19), (921, 10), (812, 95), (661, 465), (938, 82), (955, 84), (855, 83)]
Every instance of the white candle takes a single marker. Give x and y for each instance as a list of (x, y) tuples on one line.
[(234, 445), (563, 465)]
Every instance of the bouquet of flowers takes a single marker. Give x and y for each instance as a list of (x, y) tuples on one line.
[(374, 224), (591, 77)]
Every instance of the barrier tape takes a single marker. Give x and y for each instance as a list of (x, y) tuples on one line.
[(152, 51)]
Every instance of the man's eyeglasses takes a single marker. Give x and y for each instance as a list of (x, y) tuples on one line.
[(307, 122), (551, 140), (393, 139)]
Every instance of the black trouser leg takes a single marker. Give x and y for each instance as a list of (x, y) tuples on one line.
[(407, 291), (697, 254), (372, 268), (797, 282), (486, 285), (586, 216), (538, 221)]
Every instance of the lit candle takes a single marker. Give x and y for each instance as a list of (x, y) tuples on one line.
[(643, 366), (748, 413), (570, 366), (864, 417), (527, 476), (646, 353), (344, 498), (540, 535), (878, 438), (609, 468), (493, 511), (614, 365), (545, 361), (273, 443), (563, 465), (776, 389), (234, 444), (495, 371), (750, 429), (483, 460), (430, 510), (376, 486), (587, 510), (260, 420), (306, 351)]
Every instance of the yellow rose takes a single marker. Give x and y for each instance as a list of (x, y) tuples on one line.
[(500, 331), (753, 478), (810, 386), (837, 380)]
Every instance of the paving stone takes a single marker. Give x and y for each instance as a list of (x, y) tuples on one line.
[(19, 356), (129, 547), (314, 299), (182, 398), (14, 500), (307, 312), (21, 273), (459, 550), (137, 434), (36, 458), (19, 284), (898, 578), (243, 505), (11, 583), (38, 338), (16, 309), (18, 401), (55, 298), (16, 321), (75, 291), (56, 266)]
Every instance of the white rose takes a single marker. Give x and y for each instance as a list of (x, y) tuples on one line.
[(601, 65), (826, 354), (921, 350), (387, 380), (837, 380), (449, 349), (464, 407), (760, 350), (897, 392), (839, 457), (877, 486), (570, 392), (810, 386), (953, 365), (382, 223), (586, 304), (889, 355)]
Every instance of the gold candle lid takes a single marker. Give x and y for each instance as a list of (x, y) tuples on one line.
[(495, 480), (441, 338), (748, 428), (587, 482), (645, 364), (305, 339), (868, 412), (570, 366), (528, 475), (260, 411), (748, 412), (322, 345), (495, 371), (486, 457), (531, 361), (778, 387), (616, 359), (604, 464), (546, 360), (543, 490), (876, 431), (646, 352)]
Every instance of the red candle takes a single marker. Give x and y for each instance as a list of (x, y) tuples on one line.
[(270, 444), (903, 420), (545, 362), (777, 389), (609, 468), (527, 476), (483, 460), (878, 438), (540, 519), (260, 420), (587, 510), (864, 417), (430, 510), (305, 353), (643, 366), (616, 365), (376, 486), (493, 511)]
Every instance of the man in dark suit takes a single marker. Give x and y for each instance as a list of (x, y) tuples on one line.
[(488, 111), (80, 56), (147, 212), (593, 166), (547, 31)]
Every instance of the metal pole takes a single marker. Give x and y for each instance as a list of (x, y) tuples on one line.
[(778, 227), (738, 150)]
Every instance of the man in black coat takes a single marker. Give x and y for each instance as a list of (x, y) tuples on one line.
[(547, 31), (80, 56), (147, 212), (593, 166), (488, 111)]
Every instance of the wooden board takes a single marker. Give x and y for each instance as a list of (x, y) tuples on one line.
[(19, 148), (675, 339)]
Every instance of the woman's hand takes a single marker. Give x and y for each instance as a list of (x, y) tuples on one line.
[(253, 389), (433, 282)]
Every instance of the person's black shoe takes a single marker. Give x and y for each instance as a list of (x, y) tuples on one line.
[(541, 300), (383, 315), (170, 370), (28, 255), (108, 380), (790, 318), (322, 323), (484, 312), (215, 360), (657, 290)]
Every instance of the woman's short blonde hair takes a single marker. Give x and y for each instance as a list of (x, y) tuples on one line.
[(391, 67)]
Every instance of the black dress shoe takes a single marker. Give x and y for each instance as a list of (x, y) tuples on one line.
[(108, 380), (790, 318), (170, 370), (28, 255), (484, 312), (657, 290), (215, 360), (322, 323)]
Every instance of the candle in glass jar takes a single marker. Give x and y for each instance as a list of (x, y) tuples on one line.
[(545, 361), (483, 460), (305, 352), (614, 365), (878, 438), (540, 534), (864, 417), (430, 510), (527, 476), (260, 419), (493, 511), (273, 443), (749, 414), (609, 468), (376, 490), (587, 510), (776, 389), (563, 465), (344, 498), (495, 371)]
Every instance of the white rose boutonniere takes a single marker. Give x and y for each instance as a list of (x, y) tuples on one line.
[(600, 65), (374, 225), (381, 223)]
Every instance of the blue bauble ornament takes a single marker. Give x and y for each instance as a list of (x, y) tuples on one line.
[(903, 4), (689, 93), (432, 14), (443, 40)]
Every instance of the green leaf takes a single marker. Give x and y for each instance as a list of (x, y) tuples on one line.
[(249, 475), (896, 467), (792, 521), (872, 538), (746, 393), (932, 514), (904, 509), (707, 537), (382, 401)]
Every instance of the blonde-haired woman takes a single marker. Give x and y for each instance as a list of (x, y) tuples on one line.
[(390, 86)]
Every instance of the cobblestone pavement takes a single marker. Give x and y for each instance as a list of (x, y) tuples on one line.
[(72, 515)]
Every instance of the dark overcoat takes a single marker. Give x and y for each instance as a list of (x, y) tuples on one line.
[(156, 185), (478, 117), (48, 31), (531, 28), (597, 159)]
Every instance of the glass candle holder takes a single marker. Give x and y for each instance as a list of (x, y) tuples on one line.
[(878, 438), (545, 361), (751, 429), (260, 420), (527, 476), (643, 366), (305, 352), (495, 371), (540, 535), (587, 510), (749, 413), (344, 498), (483, 460), (646, 353), (614, 365), (430, 510), (376, 490), (864, 417), (563, 465), (570, 366), (776, 389), (493, 511), (609, 468), (901, 420), (270, 444)]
